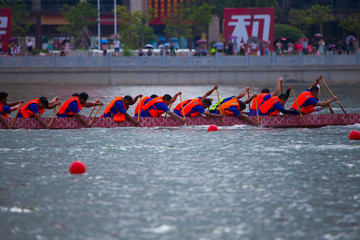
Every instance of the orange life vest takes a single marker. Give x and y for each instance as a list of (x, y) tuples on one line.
[(119, 117), (225, 106), (301, 100), (141, 103), (4, 115), (154, 112), (191, 104), (66, 105), (259, 100), (265, 106), (178, 107), (27, 113)]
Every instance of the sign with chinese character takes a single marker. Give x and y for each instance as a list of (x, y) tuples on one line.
[(249, 22), (5, 28)]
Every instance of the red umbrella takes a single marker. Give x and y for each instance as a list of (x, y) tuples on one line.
[(201, 41), (303, 39), (318, 35)]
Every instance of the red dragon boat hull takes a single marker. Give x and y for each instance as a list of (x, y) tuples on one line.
[(287, 121)]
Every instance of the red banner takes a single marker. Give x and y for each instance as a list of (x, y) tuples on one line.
[(5, 28), (249, 22)]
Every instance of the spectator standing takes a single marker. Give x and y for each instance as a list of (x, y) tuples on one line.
[(67, 48), (172, 48), (51, 45), (305, 47), (290, 49), (197, 51), (351, 46), (313, 46), (140, 52), (149, 52), (230, 49), (29, 46), (242, 48), (117, 47), (105, 48), (278, 47), (161, 49), (321, 47), (1, 44), (203, 51)]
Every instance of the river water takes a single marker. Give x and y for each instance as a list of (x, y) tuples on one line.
[(241, 182)]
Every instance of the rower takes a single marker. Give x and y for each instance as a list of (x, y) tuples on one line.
[(118, 107), (263, 96), (154, 107), (275, 105), (214, 109), (73, 106), (307, 100), (36, 107), (195, 107), (7, 107), (141, 103)]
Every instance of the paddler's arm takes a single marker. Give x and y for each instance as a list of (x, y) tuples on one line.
[(209, 92), (246, 119), (53, 105), (54, 100), (326, 103), (250, 99), (91, 104), (176, 116), (241, 95), (213, 114), (41, 121), (135, 99), (174, 98), (129, 118), (278, 87), (12, 104), (317, 81), (4, 122), (81, 119)]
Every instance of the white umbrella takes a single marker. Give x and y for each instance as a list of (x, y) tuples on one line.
[(149, 46)]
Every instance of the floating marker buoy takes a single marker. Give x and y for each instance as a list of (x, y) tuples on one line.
[(77, 167), (354, 135), (212, 128)]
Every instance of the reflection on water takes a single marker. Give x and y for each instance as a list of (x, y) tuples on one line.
[(180, 183)]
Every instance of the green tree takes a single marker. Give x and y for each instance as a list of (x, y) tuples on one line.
[(201, 17), (18, 16), (318, 15), (287, 31), (80, 17), (352, 24), (134, 29), (179, 25)]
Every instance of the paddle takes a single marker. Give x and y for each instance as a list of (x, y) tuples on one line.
[(334, 96), (139, 110), (92, 111), (95, 115), (217, 92), (297, 104), (281, 87), (182, 108), (55, 111), (322, 90), (257, 111), (12, 124), (249, 97)]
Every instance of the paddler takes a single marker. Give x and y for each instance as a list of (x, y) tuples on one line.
[(307, 100), (141, 103), (265, 95), (214, 109), (155, 107), (275, 105), (7, 107), (36, 107), (233, 106), (118, 109), (196, 107), (73, 106)]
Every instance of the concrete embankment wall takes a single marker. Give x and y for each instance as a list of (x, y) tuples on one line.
[(158, 75)]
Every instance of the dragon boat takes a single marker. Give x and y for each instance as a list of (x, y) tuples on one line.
[(282, 121)]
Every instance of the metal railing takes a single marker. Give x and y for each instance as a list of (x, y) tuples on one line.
[(177, 61)]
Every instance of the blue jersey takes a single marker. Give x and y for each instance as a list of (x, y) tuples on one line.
[(159, 106), (118, 107), (5, 109), (195, 109)]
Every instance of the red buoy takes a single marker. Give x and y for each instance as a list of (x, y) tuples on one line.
[(354, 135), (213, 128), (77, 167)]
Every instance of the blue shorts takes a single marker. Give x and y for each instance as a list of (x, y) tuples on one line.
[(117, 49)]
